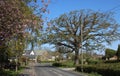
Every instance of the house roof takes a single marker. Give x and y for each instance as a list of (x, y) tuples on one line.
[(31, 56), (39, 52), (29, 52), (32, 53)]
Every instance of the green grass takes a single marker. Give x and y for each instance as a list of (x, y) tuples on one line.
[(64, 64), (47, 62), (68, 64), (8, 73)]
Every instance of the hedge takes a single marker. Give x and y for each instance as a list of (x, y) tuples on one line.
[(103, 69)]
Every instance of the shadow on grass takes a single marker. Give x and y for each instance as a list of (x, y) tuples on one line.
[(112, 61), (23, 75)]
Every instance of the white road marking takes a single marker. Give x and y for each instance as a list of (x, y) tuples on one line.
[(50, 70), (56, 73), (60, 75)]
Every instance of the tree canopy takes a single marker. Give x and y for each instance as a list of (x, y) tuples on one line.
[(20, 24)]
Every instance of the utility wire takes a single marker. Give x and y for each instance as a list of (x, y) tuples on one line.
[(114, 8)]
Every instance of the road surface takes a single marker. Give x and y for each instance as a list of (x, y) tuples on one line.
[(47, 70)]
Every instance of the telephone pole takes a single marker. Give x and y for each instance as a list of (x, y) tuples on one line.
[(81, 39)]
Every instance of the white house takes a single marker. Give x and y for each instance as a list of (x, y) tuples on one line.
[(41, 54)]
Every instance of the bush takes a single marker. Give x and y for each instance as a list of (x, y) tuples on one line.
[(11, 65), (111, 61), (68, 64), (92, 61), (57, 64), (94, 74)]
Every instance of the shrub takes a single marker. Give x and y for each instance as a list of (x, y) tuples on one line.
[(94, 74), (57, 64), (92, 61), (68, 63)]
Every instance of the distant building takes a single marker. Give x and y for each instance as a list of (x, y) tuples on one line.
[(43, 55), (39, 55), (113, 58), (31, 55)]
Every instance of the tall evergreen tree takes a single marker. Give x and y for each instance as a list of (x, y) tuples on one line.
[(109, 53), (118, 52)]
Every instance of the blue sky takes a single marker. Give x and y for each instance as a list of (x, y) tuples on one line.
[(58, 7)]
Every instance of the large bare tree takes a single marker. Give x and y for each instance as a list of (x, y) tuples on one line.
[(97, 28)]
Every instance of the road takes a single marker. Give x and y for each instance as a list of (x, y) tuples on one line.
[(47, 70)]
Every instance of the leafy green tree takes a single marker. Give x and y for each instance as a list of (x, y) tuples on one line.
[(17, 18), (97, 28), (3, 57), (118, 52), (16, 48), (13, 17), (36, 22), (63, 49), (109, 53)]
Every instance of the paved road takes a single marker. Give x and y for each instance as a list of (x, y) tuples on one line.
[(47, 70)]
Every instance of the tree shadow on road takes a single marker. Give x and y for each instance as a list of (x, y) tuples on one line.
[(23, 75)]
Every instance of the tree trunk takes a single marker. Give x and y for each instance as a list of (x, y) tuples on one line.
[(16, 68), (76, 60), (118, 59)]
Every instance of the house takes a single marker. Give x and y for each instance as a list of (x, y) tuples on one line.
[(30, 54), (43, 55), (114, 58), (39, 55)]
